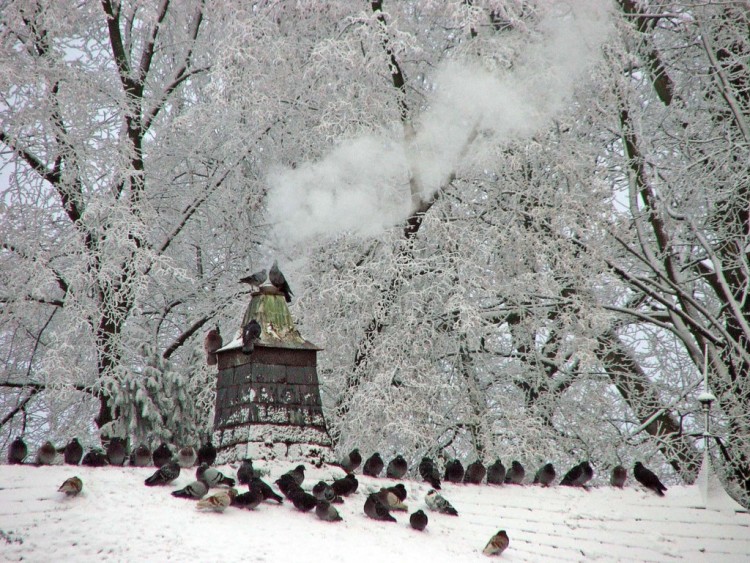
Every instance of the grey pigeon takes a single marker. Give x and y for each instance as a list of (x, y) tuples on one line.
[(351, 461), (257, 279), (164, 475), (116, 451), (397, 468), (619, 475), (399, 490), (141, 457), (17, 451), (162, 455), (212, 476), (211, 343), (346, 485), (46, 453), (195, 490), (375, 509), (496, 473), (373, 466), (418, 520), (268, 493), (326, 512), (454, 471), (73, 452), (475, 473), (246, 472), (497, 544), (207, 453), (249, 500), (324, 491), (187, 456), (545, 475), (435, 501), (250, 334), (515, 474), (279, 281), (648, 478), (72, 486), (298, 474), (429, 472)]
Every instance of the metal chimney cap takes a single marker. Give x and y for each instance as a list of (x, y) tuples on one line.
[(706, 398)]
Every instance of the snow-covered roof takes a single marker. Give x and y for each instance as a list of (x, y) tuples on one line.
[(117, 518)]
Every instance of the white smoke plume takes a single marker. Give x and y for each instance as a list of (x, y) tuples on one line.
[(362, 186)]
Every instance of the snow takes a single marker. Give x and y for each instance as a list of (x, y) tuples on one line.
[(118, 518)]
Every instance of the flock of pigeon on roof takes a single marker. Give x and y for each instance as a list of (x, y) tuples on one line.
[(322, 496)]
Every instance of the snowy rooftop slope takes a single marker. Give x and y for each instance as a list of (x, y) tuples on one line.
[(117, 518)]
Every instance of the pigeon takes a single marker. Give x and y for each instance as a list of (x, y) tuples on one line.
[(418, 520), (162, 455), (648, 479), (324, 491), (73, 452), (211, 343), (397, 468), (326, 512), (496, 473), (46, 453), (141, 457), (376, 510), (399, 490), (373, 466), (212, 476), (116, 451), (287, 485), (429, 472), (187, 456), (17, 451), (298, 474), (497, 544), (207, 453), (268, 493), (255, 279), (351, 461), (164, 475), (249, 500), (391, 500), (279, 281), (217, 502), (435, 501), (246, 472), (619, 474), (95, 457), (71, 486), (578, 476), (195, 490), (475, 473), (346, 485), (250, 333), (454, 471), (545, 475), (302, 501), (588, 473), (515, 474)]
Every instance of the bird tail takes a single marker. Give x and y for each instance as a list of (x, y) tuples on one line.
[(228, 481)]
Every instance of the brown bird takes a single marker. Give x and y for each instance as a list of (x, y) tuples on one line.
[(211, 343), (45, 455), (418, 520), (279, 281), (619, 474), (497, 544), (71, 486), (217, 502)]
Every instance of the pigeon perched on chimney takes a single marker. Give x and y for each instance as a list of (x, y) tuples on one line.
[(207, 453), (346, 485), (515, 474), (326, 512), (619, 475), (351, 461), (194, 490), (279, 281), (187, 456), (72, 486), (217, 502), (212, 476), (418, 520), (255, 279), (46, 453), (399, 490), (73, 452), (246, 472), (429, 472), (211, 343), (164, 475), (375, 509), (497, 544), (250, 334), (116, 451), (268, 493), (545, 475), (249, 500), (17, 451), (373, 466), (496, 473), (141, 457), (162, 455), (475, 473), (435, 501), (648, 478), (397, 467), (454, 471)]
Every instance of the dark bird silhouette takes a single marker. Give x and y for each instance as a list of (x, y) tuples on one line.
[(373, 466), (268, 493), (375, 509), (619, 475), (211, 343), (212, 476), (397, 468), (496, 473), (187, 456), (351, 461), (302, 501), (435, 501), (579, 475), (257, 279), (454, 471), (475, 473), (116, 451), (298, 474), (46, 453), (497, 544), (164, 475), (17, 451), (73, 452), (287, 485), (250, 334), (418, 520), (588, 473), (429, 472), (648, 478), (95, 457), (399, 490), (324, 491), (207, 453), (246, 472), (141, 457), (515, 474), (72, 486), (346, 485), (326, 512), (249, 500), (162, 455), (545, 475), (279, 281), (195, 490)]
